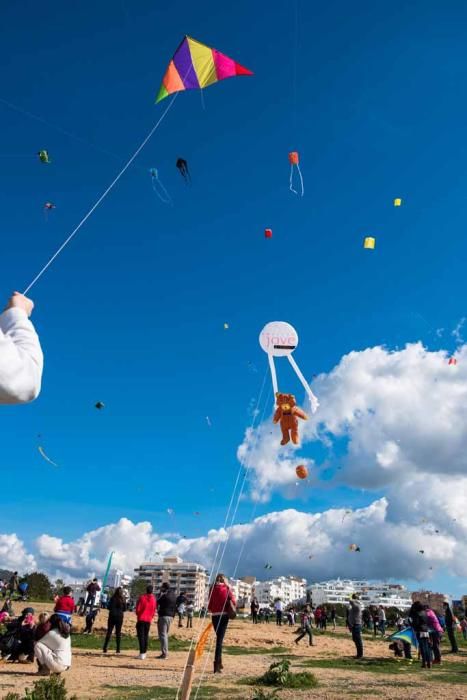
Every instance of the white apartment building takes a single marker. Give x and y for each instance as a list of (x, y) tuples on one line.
[(371, 593), (289, 589), (242, 591), (118, 578), (182, 577)]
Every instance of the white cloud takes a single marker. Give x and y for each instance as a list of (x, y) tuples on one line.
[(393, 422), (386, 415), (13, 555)]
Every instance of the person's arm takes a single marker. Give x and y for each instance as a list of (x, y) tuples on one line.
[(21, 359)]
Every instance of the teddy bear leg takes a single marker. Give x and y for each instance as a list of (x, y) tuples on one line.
[(285, 436), (295, 436)]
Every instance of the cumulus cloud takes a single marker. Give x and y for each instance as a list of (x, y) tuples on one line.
[(390, 421), (384, 417), (13, 554)]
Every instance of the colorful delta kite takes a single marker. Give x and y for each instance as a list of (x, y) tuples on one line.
[(452, 361), (294, 161), (195, 65)]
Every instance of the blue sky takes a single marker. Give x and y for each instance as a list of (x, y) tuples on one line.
[(132, 313)]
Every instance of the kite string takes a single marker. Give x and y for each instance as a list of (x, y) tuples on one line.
[(240, 555), (216, 565), (103, 195)]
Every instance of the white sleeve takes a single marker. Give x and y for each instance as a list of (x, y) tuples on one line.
[(21, 359)]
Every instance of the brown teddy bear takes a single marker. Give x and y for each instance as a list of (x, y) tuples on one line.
[(288, 413)]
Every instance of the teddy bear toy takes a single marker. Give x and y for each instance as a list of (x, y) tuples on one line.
[(287, 414)]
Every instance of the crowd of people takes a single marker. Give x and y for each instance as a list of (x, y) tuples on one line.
[(47, 640)]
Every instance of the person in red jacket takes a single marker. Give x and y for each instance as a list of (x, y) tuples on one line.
[(145, 610), (221, 602), (65, 605)]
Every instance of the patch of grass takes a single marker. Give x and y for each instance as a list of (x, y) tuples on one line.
[(240, 651), (96, 641), (382, 665), (137, 692)]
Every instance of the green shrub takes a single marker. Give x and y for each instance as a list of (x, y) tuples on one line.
[(52, 688), (279, 675)]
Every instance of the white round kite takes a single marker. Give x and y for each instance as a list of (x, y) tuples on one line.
[(279, 339)]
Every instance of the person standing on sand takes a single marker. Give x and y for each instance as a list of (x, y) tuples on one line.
[(381, 620), (355, 623), (333, 618), (254, 607), (92, 590), (221, 604), (145, 610), (420, 624), (307, 626), (435, 631), (278, 607), (450, 627), (166, 608), (21, 358), (117, 607)]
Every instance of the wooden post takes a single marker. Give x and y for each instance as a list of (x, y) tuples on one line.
[(188, 676)]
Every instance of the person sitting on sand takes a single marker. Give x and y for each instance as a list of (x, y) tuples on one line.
[(53, 651), (43, 626), (21, 359)]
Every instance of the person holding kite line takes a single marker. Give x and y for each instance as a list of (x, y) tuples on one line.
[(21, 359)]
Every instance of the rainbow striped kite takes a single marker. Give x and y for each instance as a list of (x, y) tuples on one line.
[(195, 65)]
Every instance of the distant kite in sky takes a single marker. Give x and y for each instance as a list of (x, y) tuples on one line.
[(170, 511), (301, 471), (369, 243), (268, 232), (397, 202), (47, 459), (182, 167), (99, 405), (158, 187), (452, 361), (354, 548), (48, 206), (208, 421), (347, 512), (44, 157), (195, 65), (268, 566), (294, 161)]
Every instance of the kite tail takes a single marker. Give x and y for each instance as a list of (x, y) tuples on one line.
[(164, 196), (291, 187), (301, 181)]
